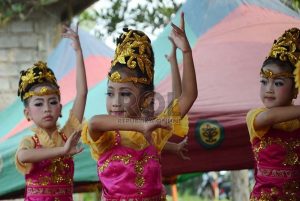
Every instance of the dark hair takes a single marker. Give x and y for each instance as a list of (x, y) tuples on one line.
[(284, 65)]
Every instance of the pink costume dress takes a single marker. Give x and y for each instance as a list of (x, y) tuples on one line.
[(128, 166), (133, 166), (277, 169), (50, 179)]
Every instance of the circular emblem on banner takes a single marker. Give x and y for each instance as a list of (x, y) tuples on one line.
[(209, 133)]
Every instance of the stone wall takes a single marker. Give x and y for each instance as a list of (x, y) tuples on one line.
[(22, 43)]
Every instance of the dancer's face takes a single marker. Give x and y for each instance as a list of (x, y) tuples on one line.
[(44, 110), (275, 92), (123, 99)]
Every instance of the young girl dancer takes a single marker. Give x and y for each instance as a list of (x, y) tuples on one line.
[(46, 157), (274, 129), (127, 147)]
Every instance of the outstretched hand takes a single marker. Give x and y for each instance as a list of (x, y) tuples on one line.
[(67, 32), (178, 36), (182, 149), (71, 146)]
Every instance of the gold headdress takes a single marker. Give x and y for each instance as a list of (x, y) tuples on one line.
[(287, 48), (37, 74), (270, 74), (133, 51)]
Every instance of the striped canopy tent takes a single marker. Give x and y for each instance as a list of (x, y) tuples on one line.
[(230, 39)]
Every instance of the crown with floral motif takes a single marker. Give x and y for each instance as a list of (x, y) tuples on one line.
[(287, 48), (134, 52), (37, 74)]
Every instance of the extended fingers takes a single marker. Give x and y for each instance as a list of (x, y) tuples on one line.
[(77, 24), (174, 47), (176, 29), (181, 29), (76, 150), (185, 140), (80, 150), (72, 36), (171, 39), (184, 149), (75, 137), (67, 32), (182, 21), (68, 29), (78, 133)]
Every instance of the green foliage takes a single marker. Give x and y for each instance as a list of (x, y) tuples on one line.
[(88, 196), (147, 14), (293, 4), (10, 9)]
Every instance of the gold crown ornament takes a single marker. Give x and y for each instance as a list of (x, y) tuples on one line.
[(134, 52), (44, 91), (287, 48), (37, 74), (270, 74)]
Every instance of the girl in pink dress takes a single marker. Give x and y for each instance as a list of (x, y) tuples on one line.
[(126, 145), (46, 157), (275, 129)]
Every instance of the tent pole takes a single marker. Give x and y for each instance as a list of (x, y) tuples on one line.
[(174, 192)]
